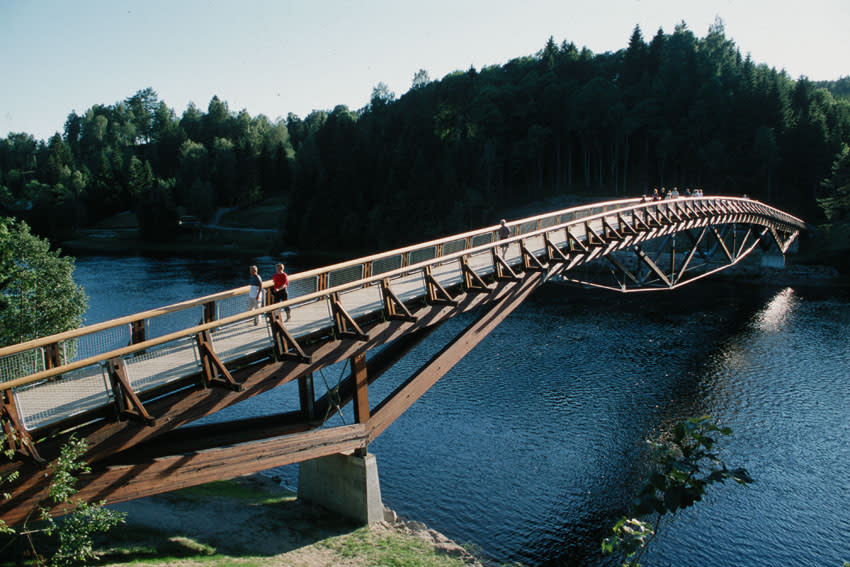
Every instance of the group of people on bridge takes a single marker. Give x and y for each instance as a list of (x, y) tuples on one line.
[(279, 291), (672, 194)]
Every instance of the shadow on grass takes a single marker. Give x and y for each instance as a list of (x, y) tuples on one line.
[(243, 518), (240, 518)]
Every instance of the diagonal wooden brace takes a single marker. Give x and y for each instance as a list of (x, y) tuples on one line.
[(128, 403), (214, 371), (530, 262), (286, 347), (472, 282), (553, 253), (594, 240), (625, 227), (18, 438), (394, 308), (345, 324), (437, 294), (504, 272), (610, 232), (576, 245)]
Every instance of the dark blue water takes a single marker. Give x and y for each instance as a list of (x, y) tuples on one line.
[(534, 443)]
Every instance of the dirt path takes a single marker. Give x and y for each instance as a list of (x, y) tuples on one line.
[(253, 519)]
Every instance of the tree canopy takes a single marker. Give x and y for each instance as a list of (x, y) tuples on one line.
[(38, 295), (676, 110)]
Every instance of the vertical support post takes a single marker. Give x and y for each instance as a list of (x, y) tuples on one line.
[(52, 358), (361, 393), (137, 332), (361, 388), (307, 396), (209, 312)]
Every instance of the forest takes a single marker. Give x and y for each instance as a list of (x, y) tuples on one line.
[(447, 155)]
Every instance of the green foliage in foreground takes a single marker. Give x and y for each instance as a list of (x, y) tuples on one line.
[(71, 537), (38, 295), (683, 466)]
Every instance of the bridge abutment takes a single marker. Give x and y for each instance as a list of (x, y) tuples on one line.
[(343, 483)]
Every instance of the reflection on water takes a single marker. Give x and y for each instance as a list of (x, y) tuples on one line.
[(534, 443)]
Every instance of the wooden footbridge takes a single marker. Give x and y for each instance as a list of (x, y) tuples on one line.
[(134, 387)]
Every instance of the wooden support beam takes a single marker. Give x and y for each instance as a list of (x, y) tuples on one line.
[(344, 323), (503, 270), (652, 266), (126, 400), (18, 439), (361, 388), (307, 396), (137, 332), (722, 243), (286, 347), (472, 282), (593, 238), (639, 223), (576, 245), (553, 253), (412, 389), (610, 232), (209, 312), (167, 473), (437, 295), (625, 227), (214, 371), (530, 262), (620, 266), (394, 308)]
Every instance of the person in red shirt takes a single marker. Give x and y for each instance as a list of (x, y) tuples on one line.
[(280, 282)]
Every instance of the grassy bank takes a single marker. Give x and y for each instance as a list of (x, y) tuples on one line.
[(253, 521)]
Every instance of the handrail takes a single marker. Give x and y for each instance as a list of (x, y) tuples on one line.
[(633, 204), (88, 329)]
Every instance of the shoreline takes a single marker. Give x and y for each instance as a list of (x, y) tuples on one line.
[(255, 518)]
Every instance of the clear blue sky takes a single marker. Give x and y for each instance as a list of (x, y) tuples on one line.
[(279, 56)]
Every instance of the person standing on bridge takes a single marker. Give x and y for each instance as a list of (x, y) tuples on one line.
[(504, 232), (255, 291), (280, 283)]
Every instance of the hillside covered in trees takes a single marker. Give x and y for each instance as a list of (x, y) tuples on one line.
[(674, 110)]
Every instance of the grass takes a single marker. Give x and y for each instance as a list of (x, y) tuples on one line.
[(389, 549), (231, 490)]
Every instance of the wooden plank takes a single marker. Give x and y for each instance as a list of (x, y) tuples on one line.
[(510, 295), (164, 474)]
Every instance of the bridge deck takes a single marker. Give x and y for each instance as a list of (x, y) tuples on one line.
[(59, 397)]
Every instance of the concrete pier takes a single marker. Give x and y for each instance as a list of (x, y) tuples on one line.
[(347, 484)]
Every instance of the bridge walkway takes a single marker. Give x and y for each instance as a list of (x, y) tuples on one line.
[(131, 380)]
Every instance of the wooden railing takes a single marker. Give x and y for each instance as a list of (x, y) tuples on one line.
[(46, 358)]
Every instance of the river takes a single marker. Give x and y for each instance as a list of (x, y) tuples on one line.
[(534, 443)]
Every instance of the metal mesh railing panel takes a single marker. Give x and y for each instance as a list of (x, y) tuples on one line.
[(482, 239), (241, 339), (409, 286), (345, 275), (421, 255), (163, 364), (304, 286), (362, 301), (231, 306), (51, 401), (527, 227), (549, 221), (21, 364), (454, 246), (176, 321), (388, 264), (97, 343)]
